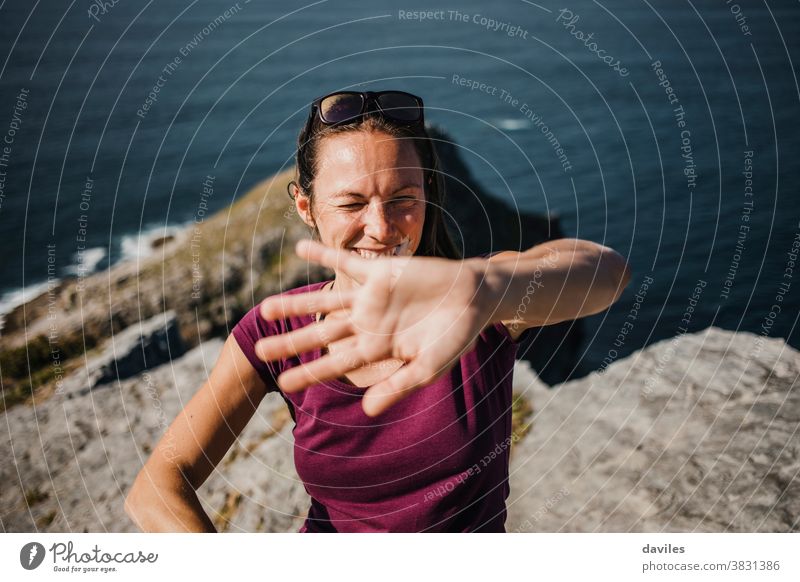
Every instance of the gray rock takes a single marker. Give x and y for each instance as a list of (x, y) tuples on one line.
[(68, 463), (141, 346), (694, 433)]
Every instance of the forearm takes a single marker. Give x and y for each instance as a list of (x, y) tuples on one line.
[(168, 508), (552, 282)]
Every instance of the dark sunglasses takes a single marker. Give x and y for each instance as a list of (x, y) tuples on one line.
[(344, 107)]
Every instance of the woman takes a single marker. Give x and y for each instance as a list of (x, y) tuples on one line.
[(398, 371)]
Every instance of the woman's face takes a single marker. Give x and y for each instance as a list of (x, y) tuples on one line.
[(368, 196)]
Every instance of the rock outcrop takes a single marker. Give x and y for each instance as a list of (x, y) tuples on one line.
[(144, 345), (696, 433), (68, 462)]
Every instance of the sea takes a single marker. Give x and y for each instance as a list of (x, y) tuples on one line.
[(665, 130)]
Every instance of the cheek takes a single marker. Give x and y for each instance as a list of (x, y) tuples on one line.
[(416, 217), (335, 226), (407, 218)]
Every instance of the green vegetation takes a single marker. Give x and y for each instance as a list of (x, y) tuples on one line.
[(521, 411), (226, 513), (26, 368)]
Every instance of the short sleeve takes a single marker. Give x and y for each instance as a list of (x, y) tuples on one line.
[(251, 328), (503, 331)]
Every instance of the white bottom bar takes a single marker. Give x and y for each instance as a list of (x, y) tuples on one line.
[(401, 557)]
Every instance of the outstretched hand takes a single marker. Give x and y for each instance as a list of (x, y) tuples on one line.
[(421, 310)]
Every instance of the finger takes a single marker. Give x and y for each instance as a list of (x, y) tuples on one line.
[(333, 365), (398, 386), (350, 263), (283, 306), (302, 340)]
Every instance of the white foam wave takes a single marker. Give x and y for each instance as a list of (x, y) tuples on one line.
[(511, 124), (12, 299), (86, 261), (140, 245)]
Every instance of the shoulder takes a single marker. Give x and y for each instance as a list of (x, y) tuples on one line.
[(304, 288), (252, 327)]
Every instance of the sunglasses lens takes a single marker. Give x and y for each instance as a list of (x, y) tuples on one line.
[(341, 107), (400, 106)]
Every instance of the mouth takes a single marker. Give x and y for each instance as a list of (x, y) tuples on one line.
[(399, 250)]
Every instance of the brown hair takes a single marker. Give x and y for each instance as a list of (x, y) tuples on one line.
[(436, 241)]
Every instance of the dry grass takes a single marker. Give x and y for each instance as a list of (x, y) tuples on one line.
[(227, 511), (521, 413)]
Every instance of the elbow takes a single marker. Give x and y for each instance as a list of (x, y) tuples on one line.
[(144, 497), (131, 509), (622, 276), (625, 277), (133, 502), (619, 273)]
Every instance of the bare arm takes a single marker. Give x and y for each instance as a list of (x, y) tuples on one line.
[(552, 282), (163, 497)]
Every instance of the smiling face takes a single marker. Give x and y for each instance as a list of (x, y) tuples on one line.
[(369, 195)]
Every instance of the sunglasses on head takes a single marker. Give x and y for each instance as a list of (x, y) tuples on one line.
[(344, 107)]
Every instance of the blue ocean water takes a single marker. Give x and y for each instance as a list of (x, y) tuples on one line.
[(634, 121)]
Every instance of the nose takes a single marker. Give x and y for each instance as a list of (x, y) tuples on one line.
[(377, 221)]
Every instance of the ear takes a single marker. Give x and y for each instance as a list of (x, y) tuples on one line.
[(303, 205)]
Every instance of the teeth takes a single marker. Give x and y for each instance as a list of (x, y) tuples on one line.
[(396, 251), (374, 255)]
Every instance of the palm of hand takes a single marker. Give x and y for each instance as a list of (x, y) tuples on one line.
[(420, 310)]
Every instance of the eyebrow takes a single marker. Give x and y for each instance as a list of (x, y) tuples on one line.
[(346, 193)]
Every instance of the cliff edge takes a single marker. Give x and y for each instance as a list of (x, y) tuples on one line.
[(694, 433)]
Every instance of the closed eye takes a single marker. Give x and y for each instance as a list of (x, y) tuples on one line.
[(404, 200)]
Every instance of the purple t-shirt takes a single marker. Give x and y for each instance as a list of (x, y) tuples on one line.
[(435, 462)]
